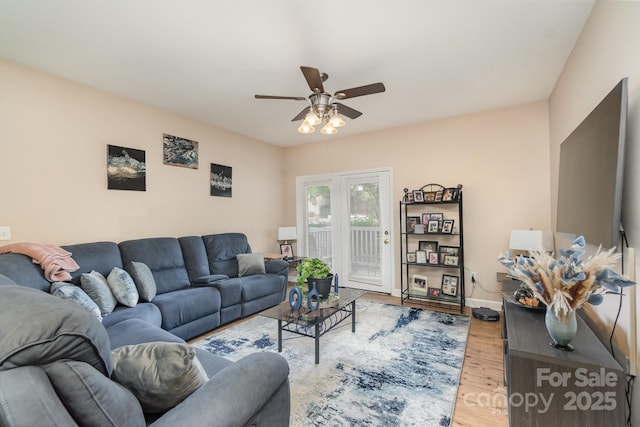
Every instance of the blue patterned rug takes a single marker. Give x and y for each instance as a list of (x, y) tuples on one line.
[(400, 368)]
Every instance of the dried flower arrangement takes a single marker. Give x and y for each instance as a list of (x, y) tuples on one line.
[(564, 284)]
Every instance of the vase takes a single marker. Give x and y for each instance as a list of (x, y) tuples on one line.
[(561, 329)]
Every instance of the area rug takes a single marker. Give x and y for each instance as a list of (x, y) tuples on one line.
[(400, 368)]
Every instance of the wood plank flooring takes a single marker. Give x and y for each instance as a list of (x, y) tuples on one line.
[(481, 400)]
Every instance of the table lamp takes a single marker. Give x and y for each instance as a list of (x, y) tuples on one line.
[(287, 233), (522, 241)]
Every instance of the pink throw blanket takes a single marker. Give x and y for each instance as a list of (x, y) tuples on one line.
[(55, 261)]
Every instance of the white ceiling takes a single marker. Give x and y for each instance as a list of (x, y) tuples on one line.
[(206, 59)]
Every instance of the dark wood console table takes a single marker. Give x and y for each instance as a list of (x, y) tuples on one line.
[(548, 387)]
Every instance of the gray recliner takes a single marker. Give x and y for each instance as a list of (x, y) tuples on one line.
[(56, 364)]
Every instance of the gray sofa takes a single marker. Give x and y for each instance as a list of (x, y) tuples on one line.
[(198, 289)]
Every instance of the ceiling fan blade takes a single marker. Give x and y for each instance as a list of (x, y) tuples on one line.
[(360, 91), (347, 111), (301, 115), (295, 98), (314, 79)]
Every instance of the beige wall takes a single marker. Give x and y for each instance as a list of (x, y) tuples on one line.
[(606, 51), (53, 169), (501, 157)]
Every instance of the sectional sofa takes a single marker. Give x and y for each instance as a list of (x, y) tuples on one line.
[(201, 282)]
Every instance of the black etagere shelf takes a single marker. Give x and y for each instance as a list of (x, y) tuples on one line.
[(432, 246)]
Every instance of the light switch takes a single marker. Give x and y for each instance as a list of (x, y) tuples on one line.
[(5, 233)]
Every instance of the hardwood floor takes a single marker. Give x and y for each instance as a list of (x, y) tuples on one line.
[(482, 396)]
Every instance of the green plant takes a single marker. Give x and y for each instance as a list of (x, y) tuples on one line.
[(312, 267)]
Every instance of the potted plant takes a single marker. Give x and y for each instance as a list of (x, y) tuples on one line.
[(315, 270)]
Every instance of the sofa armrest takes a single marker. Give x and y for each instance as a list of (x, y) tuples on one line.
[(277, 266), (236, 394), (208, 280)]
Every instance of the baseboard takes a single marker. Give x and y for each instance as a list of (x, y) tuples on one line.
[(469, 302), (474, 302)]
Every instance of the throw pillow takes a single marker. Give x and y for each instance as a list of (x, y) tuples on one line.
[(159, 374), (96, 286), (249, 264), (143, 278), (93, 399), (75, 294), (122, 287)]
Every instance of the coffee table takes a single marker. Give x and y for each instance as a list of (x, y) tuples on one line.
[(315, 324)]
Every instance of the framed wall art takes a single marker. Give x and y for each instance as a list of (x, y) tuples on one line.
[(126, 169), (221, 182), (178, 151)]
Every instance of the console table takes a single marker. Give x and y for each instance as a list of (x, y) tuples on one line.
[(548, 387)]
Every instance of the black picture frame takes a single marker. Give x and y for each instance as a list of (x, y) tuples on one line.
[(433, 226), (428, 245), (447, 226), (433, 258), (286, 249), (450, 285)]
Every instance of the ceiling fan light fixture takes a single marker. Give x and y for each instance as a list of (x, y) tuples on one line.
[(312, 119), (305, 128), (336, 120), (328, 129)]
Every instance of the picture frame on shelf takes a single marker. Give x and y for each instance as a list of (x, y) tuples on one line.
[(438, 196), (437, 216), (418, 229), (418, 196), (433, 258), (426, 217), (410, 198), (450, 195), (448, 251), (447, 226), (421, 257), (430, 196), (411, 223), (418, 284), (432, 226), (434, 292), (428, 245), (450, 285), (286, 249), (411, 257), (451, 260)]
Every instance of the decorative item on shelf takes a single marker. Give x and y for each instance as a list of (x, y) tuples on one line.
[(566, 283), (295, 298), (335, 283), (319, 271), (405, 198)]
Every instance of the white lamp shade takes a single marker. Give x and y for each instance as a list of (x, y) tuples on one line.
[(525, 240), (287, 233)]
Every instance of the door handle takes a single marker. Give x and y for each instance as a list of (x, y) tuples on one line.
[(386, 241)]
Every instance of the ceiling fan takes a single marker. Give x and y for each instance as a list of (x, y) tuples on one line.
[(323, 106)]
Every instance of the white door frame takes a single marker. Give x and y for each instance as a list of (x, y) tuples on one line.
[(335, 181)]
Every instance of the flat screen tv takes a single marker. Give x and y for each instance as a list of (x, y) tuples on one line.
[(591, 172)]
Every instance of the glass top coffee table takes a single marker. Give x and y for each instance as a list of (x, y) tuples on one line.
[(314, 324)]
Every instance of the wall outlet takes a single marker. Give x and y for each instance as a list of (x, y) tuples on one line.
[(5, 233), (473, 277)]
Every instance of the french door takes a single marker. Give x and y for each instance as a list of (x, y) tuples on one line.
[(345, 220)]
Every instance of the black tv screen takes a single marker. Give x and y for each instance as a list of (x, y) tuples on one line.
[(591, 172)]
